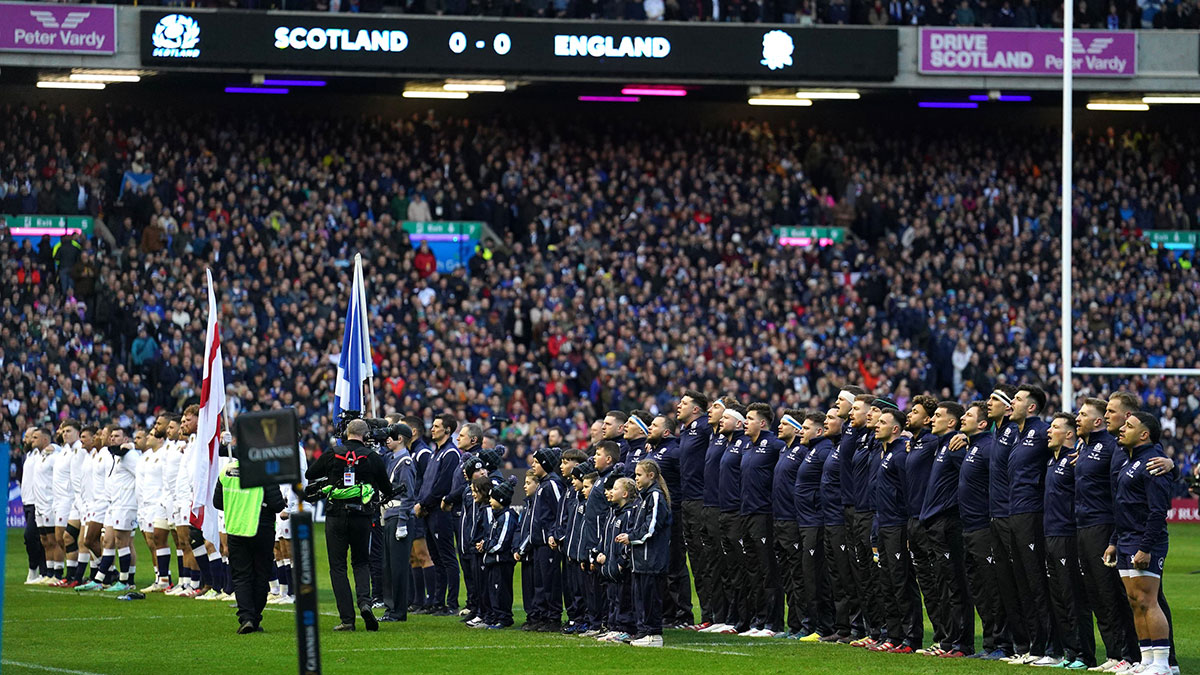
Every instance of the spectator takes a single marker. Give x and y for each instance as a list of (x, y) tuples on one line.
[(964, 16), (877, 15), (425, 262), (418, 209)]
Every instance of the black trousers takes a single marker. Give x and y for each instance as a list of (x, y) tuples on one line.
[(596, 596), (944, 539), (923, 564), (250, 562), (1068, 601), (349, 533), (762, 574), (733, 572), (33, 543), (712, 575), (1162, 602), (1102, 586), (981, 577), (472, 574), (815, 590), (440, 539), (866, 574), (648, 603), (547, 584), (574, 590), (499, 593), (527, 590), (1029, 570), (694, 543), (902, 601), (791, 577), (396, 572), (1011, 606), (620, 605), (677, 603), (376, 564), (838, 556)]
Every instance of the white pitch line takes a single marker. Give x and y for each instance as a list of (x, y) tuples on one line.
[(704, 651), (103, 618), (49, 669)]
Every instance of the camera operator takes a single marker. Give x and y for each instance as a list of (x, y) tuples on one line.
[(355, 478)]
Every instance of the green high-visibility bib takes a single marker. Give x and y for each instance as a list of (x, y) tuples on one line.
[(242, 505)]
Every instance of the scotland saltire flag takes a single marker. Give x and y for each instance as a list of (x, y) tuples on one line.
[(354, 365)]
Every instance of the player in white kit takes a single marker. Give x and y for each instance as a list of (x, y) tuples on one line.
[(194, 552), (98, 503), (152, 517), (172, 458), (83, 497), (122, 511), (41, 491), (66, 518)]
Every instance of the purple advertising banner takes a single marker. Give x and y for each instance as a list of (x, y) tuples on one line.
[(951, 51), (64, 29)]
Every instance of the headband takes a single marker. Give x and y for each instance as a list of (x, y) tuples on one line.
[(640, 424), (884, 404), (735, 415), (846, 396), (1002, 397), (788, 419)]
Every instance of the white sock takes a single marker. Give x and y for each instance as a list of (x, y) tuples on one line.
[(275, 587), (1162, 656), (1147, 655), (33, 574)]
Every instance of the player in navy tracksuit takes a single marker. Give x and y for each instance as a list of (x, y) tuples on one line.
[(758, 467), (1139, 542), (637, 431), (943, 530), (612, 557), (974, 514), (596, 512), (649, 540), (1005, 433), (734, 581), (1026, 488), (497, 551), (439, 477), (613, 429), (423, 575), (1098, 462), (783, 507), (917, 465), (546, 610), (905, 628), (712, 562), (816, 599), (522, 553), (867, 457), (664, 450), (1068, 601), (694, 436), (855, 434), (568, 538), (837, 554)]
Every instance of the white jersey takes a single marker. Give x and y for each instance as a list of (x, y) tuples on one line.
[(29, 472), (87, 468), (122, 479), (172, 457), (61, 485), (41, 489), (149, 478), (183, 480), (78, 464), (102, 463)]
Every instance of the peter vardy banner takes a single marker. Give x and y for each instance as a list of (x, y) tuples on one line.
[(951, 51), (464, 46), (63, 29)]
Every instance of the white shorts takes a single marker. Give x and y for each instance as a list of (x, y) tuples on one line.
[(183, 516), (121, 518), (62, 513), (221, 522), (98, 512), (43, 518), (283, 529)]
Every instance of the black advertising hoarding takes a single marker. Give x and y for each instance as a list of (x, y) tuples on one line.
[(267, 447), (513, 47)]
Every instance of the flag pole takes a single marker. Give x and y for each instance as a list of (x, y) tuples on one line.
[(362, 286)]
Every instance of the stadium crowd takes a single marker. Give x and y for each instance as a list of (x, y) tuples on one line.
[(1116, 15), (630, 263)]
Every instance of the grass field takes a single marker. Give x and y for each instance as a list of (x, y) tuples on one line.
[(50, 630)]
